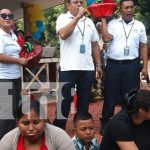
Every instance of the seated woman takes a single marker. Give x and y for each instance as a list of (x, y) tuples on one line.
[(33, 133), (130, 128)]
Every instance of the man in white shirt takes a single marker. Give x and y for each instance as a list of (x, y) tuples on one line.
[(78, 43), (126, 38)]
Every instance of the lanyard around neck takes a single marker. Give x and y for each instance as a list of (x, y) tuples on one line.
[(127, 36), (82, 33)]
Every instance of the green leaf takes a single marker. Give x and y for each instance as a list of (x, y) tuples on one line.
[(28, 46)]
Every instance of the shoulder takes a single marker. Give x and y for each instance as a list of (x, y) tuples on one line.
[(114, 21), (55, 132), (2, 33), (121, 127), (139, 24), (58, 137), (121, 118), (10, 139), (63, 16), (89, 21)]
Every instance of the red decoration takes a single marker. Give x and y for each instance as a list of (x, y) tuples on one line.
[(108, 1), (32, 97), (103, 9), (75, 97), (33, 56)]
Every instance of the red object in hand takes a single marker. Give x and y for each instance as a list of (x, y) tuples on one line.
[(34, 56), (75, 97), (98, 10)]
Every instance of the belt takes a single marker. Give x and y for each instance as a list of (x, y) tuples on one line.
[(126, 61)]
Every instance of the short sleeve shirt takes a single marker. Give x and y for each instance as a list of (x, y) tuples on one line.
[(121, 128), (9, 47), (80, 146), (70, 56), (133, 31)]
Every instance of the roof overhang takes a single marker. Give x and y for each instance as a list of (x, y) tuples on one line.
[(16, 5)]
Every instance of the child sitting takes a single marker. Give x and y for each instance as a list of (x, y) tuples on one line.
[(84, 130)]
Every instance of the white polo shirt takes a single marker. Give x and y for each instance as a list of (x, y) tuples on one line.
[(70, 56), (10, 47), (116, 46)]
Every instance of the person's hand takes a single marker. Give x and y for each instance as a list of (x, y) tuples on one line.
[(144, 73), (98, 73), (22, 61), (82, 12)]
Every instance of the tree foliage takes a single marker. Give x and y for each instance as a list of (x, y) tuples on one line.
[(20, 24), (144, 9), (51, 15)]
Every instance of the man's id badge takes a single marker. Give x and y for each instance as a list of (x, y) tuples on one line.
[(82, 48), (126, 50)]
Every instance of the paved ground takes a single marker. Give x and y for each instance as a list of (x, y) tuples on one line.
[(95, 109)]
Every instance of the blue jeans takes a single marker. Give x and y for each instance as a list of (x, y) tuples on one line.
[(83, 80)]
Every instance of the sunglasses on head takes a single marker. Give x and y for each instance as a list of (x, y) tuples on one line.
[(4, 16)]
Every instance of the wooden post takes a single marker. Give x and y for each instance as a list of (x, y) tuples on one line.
[(26, 19)]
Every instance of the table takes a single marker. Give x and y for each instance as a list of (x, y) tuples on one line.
[(35, 85)]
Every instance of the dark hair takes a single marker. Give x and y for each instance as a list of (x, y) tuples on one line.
[(28, 37), (81, 116), (7, 9), (136, 99), (29, 105), (121, 1), (68, 1), (19, 31)]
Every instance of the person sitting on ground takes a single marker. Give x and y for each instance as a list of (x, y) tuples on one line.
[(33, 133), (84, 132), (130, 128)]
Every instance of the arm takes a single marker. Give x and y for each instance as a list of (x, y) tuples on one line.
[(12, 60), (144, 55), (127, 145), (96, 57), (106, 36), (67, 30)]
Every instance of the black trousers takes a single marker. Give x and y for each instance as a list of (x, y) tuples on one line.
[(68, 79), (9, 100), (120, 78)]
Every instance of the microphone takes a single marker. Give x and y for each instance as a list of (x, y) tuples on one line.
[(85, 14)]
